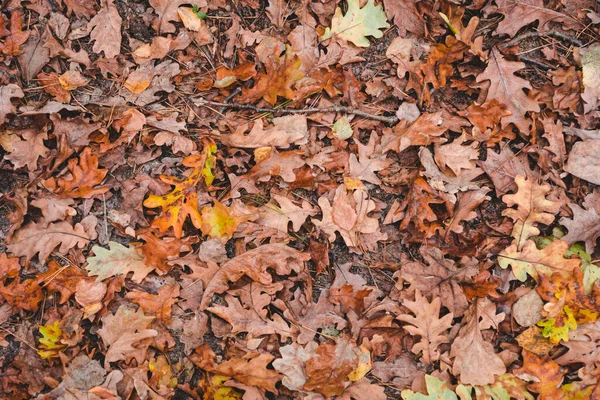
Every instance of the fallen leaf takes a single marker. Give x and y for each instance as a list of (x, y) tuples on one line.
[(254, 264), (507, 88), (436, 389), (427, 325), (182, 201), (532, 208), (584, 162), (25, 148), (441, 279), (126, 335), (531, 261), (585, 224), (84, 178), (219, 221), (16, 36), (348, 215), (545, 374), (286, 131), (117, 260), (456, 156), (504, 167), (279, 216), (167, 12), (105, 30), (42, 238), (329, 369), (358, 23), (465, 206), (158, 305), (8, 92), (475, 361)]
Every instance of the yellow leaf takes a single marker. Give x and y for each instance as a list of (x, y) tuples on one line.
[(219, 222), (557, 329), (50, 340), (211, 160), (364, 364), (358, 23)]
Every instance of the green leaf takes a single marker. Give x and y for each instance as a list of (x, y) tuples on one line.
[(358, 23)]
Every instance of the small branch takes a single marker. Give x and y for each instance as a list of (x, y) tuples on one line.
[(312, 110)]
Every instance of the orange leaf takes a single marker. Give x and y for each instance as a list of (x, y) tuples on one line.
[(17, 37), (51, 85), (182, 201), (548, 375), (158, 305), (85, 175), (282, 73)]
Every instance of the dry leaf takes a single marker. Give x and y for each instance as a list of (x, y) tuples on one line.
[(427, 325), (105, 30)]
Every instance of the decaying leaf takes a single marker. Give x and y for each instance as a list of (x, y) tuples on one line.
[(117, 260)]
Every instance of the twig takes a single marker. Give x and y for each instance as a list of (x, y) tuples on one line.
[(235, 92), (554, 34), (312, 110)]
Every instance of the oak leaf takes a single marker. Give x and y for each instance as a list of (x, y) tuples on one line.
[(286, 131), (544, 372), (519, 13), (476, 362), (282, 72), (348, 215), (279, 216), (426, 129), (42, 238), (292, 364), (427, 325), (147, 80), (250, 321), (106, 30), (158, 305), (126, 334), (532, 208), (438, 67), (456, 155), (370, 160), (17, 36), (85, 176), (182, 201), (219, 221), (584, 161), (255, 264), (167, 12), (328, 371), (465, 206), (591, 83), (63, 280), (417, 208), (25, 147), (251, 370), (504, 167), (358, 23), (441, 279), (507, 88), (585, 224), (531, 261), (50, 344), (51, 85), (117, 260), (8, 92), (55, 208), (446, 183), (25, 295)]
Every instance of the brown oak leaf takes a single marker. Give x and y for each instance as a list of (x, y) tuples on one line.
[(84, 178), (585, 224), (507, 88), (441, 279), (158, 305), (427, 325), (8, 92), (532, 208), (465, 206), (105, 30), (42, 238), (255, 264), (475, 361), (126, 334), (328, 371)]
